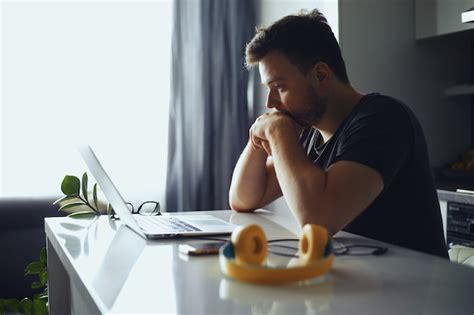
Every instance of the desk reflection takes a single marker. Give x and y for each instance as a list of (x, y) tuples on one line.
[(78, 233), (262, 217), (122, 254), (312, 298)]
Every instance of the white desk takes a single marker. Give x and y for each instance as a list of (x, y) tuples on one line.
[(97, 266)]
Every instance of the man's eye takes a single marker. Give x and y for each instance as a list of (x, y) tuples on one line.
[(280, 88)]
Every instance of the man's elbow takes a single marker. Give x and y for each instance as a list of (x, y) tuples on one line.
[(330, 225), (238, 206)]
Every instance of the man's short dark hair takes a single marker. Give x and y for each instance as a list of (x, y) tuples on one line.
[(305, 39)]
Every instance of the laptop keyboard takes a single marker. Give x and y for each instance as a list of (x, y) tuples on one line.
[(161, 224)]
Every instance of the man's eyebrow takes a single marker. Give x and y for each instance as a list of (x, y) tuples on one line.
[(273, 80)]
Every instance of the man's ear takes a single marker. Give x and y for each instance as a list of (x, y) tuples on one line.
[(321, 71)]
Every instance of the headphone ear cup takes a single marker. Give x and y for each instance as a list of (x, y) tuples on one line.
[(250, 244), (313, 242)]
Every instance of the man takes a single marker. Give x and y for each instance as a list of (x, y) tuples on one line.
[(341, 159)]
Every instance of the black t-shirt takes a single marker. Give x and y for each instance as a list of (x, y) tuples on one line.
[(384, 134)]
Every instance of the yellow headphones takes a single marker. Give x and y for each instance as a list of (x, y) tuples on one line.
[(243, 257)]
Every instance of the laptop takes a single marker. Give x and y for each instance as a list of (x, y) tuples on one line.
[(161, 226)]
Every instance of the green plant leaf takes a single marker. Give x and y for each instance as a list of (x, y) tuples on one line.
[(43, 256), (36, 285), (43, 277), (65, 198), (39, 307), (44, 294), (71, 205), (82, 214), (34, 268), (94, 195), (84, 186), (110, 210), (25, 306), (11, 305), (71, 185), (44, 298), (2, 306)]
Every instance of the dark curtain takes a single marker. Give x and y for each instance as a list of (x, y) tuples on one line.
[(209, 114)]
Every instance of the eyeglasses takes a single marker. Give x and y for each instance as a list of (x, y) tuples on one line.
[(147, 208), (341, 249), (360, 250)]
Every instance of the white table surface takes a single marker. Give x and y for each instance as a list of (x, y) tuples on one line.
[(98, 266)]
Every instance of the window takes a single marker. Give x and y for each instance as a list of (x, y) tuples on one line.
[(84, 72)]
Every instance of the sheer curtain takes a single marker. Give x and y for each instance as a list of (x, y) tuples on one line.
[(209, 119)]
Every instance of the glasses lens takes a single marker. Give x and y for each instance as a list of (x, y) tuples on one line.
[(360, 250), (149, 208)]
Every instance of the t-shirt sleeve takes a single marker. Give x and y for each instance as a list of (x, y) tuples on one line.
[(378, 137)]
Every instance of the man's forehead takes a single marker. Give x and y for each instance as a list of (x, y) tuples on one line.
[(265, 80), (270, 73), (274, 67)]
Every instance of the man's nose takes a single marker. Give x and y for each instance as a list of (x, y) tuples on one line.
[(273, 101)]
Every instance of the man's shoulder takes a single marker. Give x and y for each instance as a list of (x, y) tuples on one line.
[(380, 109), (381, 104)]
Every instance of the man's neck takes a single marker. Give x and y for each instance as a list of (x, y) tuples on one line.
[(338, 108)]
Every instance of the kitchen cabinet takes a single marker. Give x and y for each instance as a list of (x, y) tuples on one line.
[(440, 17)]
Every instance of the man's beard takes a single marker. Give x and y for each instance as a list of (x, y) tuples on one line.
[(311, 111)]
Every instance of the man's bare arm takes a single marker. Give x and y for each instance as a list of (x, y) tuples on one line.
[(331, 198), (254, 183)]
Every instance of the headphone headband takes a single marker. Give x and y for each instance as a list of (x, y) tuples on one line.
[(243, 258)]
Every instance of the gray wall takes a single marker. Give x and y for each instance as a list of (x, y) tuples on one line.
[(378, 43)]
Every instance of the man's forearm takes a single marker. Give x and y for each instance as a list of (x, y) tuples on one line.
[(301, 182), (249, 179)]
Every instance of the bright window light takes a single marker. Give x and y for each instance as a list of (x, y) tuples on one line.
[(84, 72)]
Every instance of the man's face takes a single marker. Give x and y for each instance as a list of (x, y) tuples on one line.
[(290, 91)]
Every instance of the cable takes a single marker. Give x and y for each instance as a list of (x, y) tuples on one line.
[(339, 251)]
